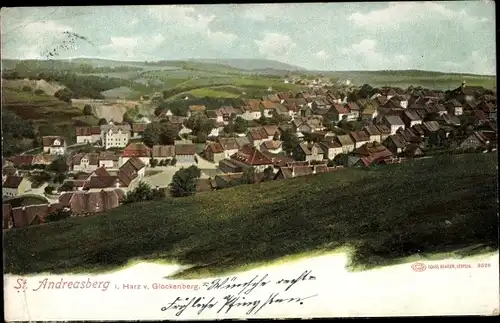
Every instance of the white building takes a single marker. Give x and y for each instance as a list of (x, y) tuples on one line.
[(251, 114), (85, 162), (115, 135), (54, 145), (15, 185)]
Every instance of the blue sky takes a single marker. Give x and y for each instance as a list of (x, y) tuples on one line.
[(457, 36)]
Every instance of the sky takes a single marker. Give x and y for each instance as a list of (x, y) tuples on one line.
[(455, 36)]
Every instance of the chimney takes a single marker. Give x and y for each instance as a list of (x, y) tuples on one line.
[(314, 169), (117, 183)]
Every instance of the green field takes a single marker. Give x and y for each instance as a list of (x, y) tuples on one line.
[(228, 87), (403, 79), (211, 92), (19, 96), (382, 215), (89, 120)]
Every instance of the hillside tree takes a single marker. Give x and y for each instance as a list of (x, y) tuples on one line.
[(64, 95), (102, 121), (365, 92), (269, 173), (59, 166), (240, 125), (290, 142), (184, 181), (200, 123), (159, 133), (249, 176), (87, 110)]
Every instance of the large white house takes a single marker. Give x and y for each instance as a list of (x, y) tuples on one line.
[(115, 135)]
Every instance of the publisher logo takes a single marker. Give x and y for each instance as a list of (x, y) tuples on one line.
[(419, 267)]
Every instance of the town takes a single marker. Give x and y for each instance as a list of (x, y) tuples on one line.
[(282, 135)]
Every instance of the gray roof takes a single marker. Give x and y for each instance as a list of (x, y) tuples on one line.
[(123, 127), (345, 140), (398, 140), (412, 115), (394, 120), (431, 126)]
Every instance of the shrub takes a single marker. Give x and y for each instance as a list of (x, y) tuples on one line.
[(143, 192), (58, 215), (184, 181), (87, 110), (39, 92), (66, 187), (26, 88), (48, 190)]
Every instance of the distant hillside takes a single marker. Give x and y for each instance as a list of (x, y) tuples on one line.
[(252, 64), (428, 206)]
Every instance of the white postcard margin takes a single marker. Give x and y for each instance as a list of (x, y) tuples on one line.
[(308, 288)]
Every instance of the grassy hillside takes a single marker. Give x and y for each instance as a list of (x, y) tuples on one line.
[(251, 64), (428, 79), (38, 108), (47, 114), (227, 87), (382, 214), (187, 75)]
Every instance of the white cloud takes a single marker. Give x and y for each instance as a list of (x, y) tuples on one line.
[(43, 27), (322, 55), (157, 40), (262, 12), (33, 39), (275, 45), (476, 63), (221, 37), (132, 47), (123, 47), (366, 56), (398, 14), (181, 15), (185, 19)]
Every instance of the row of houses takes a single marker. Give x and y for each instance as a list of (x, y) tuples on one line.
[(125, 177), (79, 203), (307, 110), (184, 152)]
